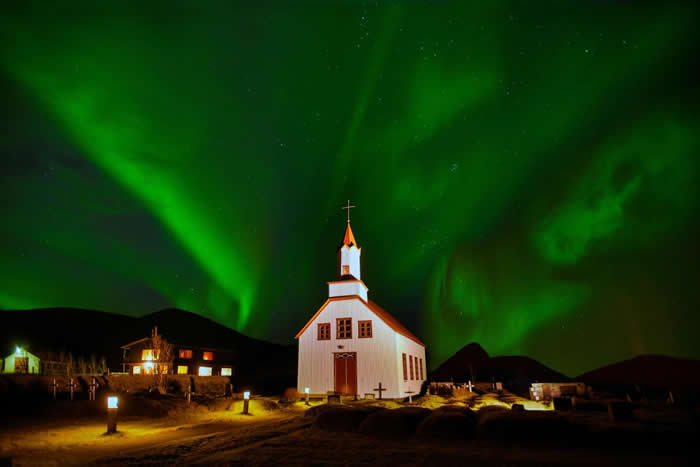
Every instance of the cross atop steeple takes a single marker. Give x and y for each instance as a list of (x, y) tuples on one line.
[(348, 207)]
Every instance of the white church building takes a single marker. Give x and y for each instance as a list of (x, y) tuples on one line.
[(351, 345)]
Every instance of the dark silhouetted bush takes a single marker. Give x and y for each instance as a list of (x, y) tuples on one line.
[(398, 423), (620, 411), (562, 403), (290, 395), (448, 425), (527, 427), (343, 419)]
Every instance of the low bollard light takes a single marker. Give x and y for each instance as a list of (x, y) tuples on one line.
[(112, 410), (246, 400), (306, 395)]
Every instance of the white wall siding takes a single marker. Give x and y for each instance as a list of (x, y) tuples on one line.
[(350, 257), (376, 356), (343, 289), (409, 347)]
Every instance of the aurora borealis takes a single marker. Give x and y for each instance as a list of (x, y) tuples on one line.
[(525, 173)]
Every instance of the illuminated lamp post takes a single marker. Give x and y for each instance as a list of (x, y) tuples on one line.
[(246, 400), (112, 411), (306, 395)]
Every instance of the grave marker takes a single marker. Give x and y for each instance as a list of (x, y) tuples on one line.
[(410, 398), (334, 399), (53, 388), (380, 389), (71, 385)]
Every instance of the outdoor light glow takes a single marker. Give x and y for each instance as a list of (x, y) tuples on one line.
[(112, 402), (18, 350), (306, 390), (246, 395)]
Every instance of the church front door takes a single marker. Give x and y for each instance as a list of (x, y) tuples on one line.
[(345, 373)]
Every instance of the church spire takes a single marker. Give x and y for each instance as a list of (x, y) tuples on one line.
[(349, 253), (349, 239)]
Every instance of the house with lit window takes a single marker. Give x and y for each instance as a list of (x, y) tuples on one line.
[(351, 344), (21, 362), (143, 357)]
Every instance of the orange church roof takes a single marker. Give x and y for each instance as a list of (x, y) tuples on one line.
[(349, 239), (380, 312)]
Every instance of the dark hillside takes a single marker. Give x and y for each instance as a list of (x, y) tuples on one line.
[(260, 364), (516, 372)]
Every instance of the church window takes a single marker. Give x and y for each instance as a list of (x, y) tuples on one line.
[(343, 328), (184, 353), (346, 270), (415, 364), (365, 328), (207, 355), (405, 374), (324, 331), (421, 369), (410, 365)]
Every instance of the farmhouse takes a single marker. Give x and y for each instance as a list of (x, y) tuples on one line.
[(22, 362), (351, 345), (151, 355)]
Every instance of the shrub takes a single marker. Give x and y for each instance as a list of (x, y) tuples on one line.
[(398, 423), (526, 427), (269, 405), (444, 390), (175, 386), (448, 425), (290, 395), (490, 411), (317, 410), (461, 393), (343, 419)]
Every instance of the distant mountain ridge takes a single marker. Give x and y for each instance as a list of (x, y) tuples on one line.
[(647, 370), (472, 362)]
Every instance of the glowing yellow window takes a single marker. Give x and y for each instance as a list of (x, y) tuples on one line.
[(137, 370), (147, 355), (226, 372), (185, 353), (208, 356), (204, 371), (182, 369)]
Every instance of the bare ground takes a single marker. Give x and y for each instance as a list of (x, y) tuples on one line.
[(283, 436)]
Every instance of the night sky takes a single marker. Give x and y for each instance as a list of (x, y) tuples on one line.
[(525, 173)]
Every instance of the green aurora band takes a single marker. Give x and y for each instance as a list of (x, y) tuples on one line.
[(526, 173)]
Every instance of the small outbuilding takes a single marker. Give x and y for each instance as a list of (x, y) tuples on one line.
[(548, 391), (22, 362)]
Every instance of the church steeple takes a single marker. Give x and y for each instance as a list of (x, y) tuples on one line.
[(349, 257), (350, 280), (349, 239), (349, 253)]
